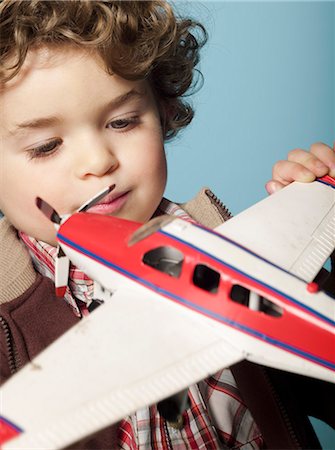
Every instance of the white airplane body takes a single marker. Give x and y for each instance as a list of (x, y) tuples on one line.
[(186, 302)]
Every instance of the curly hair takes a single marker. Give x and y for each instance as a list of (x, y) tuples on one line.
[(135, 39)]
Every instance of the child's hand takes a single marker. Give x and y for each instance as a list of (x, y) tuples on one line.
[(304, 166)]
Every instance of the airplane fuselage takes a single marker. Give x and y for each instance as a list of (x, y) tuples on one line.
[(265, 309)]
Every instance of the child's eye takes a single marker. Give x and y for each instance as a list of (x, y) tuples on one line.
[(44, 150), (123, 124)]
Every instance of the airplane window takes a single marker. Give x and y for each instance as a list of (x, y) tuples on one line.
[(252, 300), (165, 259), (240, 294), (206, 278)]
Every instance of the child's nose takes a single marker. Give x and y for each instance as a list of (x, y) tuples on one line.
[(97, 160)]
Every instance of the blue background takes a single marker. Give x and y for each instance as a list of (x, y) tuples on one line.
[(269, 87)]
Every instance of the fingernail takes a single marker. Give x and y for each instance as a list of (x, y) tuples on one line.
[(271, 187)]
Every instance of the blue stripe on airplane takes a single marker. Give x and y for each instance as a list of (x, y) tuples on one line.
[(296, 302), (326, 183), (11, 424), (202, 310)]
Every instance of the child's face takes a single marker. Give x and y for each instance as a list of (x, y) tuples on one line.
[(68, 130)]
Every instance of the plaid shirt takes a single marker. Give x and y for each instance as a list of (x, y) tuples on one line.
[(217, 417)]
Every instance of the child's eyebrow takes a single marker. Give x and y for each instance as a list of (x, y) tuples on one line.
[(45, 122), (42, 122), (124, 98)]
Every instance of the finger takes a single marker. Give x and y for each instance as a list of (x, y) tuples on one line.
[(325, 154), (273, 186), (309, 160), (287, 171)]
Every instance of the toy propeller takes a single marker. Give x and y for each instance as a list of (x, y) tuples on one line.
[(62, 262), (53, 215), (48, 211), (96, 199)]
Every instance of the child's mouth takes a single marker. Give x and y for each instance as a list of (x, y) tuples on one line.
[(110, 204)]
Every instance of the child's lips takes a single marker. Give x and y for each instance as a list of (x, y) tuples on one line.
[(110, 204)]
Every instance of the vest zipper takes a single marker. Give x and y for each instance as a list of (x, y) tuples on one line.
[(223, 210), (283, 411), (13, 358)]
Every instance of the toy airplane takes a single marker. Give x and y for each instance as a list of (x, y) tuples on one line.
[(180, 303)]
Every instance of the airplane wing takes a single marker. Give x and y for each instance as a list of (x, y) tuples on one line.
[(293, 228), (102, 384)]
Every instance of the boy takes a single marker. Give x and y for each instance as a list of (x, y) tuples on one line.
[(90, 92)]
